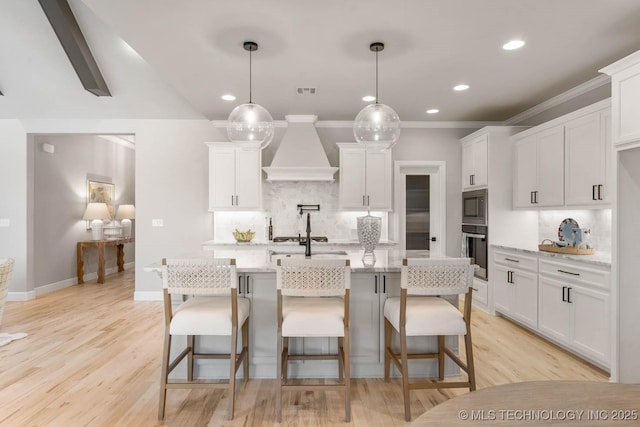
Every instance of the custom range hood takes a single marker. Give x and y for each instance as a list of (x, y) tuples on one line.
[(300, 156)]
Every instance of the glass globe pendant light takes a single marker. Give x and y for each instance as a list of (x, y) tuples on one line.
[(250, 125), (377, 126)]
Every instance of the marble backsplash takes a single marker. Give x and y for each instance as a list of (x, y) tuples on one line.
[(279, 200), (598, 220)]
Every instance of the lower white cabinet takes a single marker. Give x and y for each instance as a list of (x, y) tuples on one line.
[(515, 288), (563, 300), (574, 308)]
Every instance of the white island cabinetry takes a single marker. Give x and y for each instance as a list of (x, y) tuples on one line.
[(235, 177)]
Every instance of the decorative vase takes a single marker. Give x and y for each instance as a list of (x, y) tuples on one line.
[(369, 235)]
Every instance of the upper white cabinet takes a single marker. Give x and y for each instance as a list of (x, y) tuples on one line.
[(538, 169), (365, 178), (565, 162), (474, 162), (625, 100), (235, 181), (587, 150)]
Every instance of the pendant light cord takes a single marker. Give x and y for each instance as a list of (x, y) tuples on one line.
[(376, 76), (250, 52)]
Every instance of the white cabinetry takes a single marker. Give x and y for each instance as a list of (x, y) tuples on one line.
[(516, 287), (565, 162), (365, 178), (474, 162), (574, 307), (260, 288), (625, 100), (587, 158), (538, 169), (235, 178)]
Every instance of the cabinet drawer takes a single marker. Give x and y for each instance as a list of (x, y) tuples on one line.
[(576, 273), (516, 260)]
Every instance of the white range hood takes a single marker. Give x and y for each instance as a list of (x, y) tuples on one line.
[(300, 156)]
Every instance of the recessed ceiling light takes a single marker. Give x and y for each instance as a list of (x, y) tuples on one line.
[(228, 97), (461, 87), (368, 98), (432, 111), (513, 44)]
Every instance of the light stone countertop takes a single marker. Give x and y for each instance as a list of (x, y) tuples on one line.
[(344, 243), (598, 258), (262, 260)]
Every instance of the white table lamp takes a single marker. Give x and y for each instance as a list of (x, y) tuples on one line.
[(126, 213), (95, 213)]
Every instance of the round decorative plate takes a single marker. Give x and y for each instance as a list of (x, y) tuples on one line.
[(565, 231)]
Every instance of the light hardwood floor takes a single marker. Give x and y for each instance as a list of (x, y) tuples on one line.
[(93, 354)]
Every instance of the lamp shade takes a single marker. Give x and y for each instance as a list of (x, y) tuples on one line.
[(377, 126), (96, 211), (250, 126), (126, 212)]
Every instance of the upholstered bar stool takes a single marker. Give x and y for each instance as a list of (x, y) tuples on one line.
[(419, 311), (313, 301), (208, 287)]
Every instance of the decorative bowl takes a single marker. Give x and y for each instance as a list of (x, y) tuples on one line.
[(243, 236)]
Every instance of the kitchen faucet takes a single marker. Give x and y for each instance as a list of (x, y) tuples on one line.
[(307, 243)]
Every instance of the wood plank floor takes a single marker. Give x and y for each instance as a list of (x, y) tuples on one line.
[(92, 358)]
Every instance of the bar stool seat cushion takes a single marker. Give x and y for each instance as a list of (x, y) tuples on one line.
[(312, 317), (426, 316), (207, 316)]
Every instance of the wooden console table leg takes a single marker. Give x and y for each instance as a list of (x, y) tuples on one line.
[(101, 263), (80, 262), (121, 257)]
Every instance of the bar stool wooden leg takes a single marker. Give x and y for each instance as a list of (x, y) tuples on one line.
[(163, 376), (340, 359), (190, 361), (232, 367), (279, 378), (470, 367), (245, 349), (388, 329), (405, 373), (441, 357), (347, 376)]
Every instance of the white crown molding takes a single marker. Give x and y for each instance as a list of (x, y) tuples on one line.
[(574, 92), (622, 64), (404, 125)]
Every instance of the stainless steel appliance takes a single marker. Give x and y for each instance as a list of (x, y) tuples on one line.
[(474, 207), (474, 245)]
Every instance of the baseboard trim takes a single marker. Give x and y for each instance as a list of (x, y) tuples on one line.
[(21, 296)]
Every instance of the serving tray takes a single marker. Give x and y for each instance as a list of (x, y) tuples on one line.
[(566, 250)]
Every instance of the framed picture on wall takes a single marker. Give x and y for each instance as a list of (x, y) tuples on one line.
[(101, 192)]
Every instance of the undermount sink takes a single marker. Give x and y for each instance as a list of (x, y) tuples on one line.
[(314, 254)]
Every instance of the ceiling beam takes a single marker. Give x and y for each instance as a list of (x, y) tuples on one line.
[(74, 44)]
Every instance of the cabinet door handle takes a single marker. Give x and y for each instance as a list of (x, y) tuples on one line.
[(240, 284), (248, 282), (384, 284), (237, 202), (600, 191), (535, 196), (363, 201), (375, 280), (512, 260), (509, 276), (593, 192), (568, 272), (569, 295), (531, 198), (564, 299), (368, 204)]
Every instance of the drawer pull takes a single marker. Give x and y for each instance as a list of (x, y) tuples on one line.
[(475, 289), (568, 272), (512, 260)]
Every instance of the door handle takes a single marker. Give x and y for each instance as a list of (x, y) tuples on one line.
[(384, 284), (531, 198), (363, 204), (248, 282), (600, 191), (368, 203), (375, 281), (569, 295), (434, 239), (593, 192), (240, 284), (564, 299)]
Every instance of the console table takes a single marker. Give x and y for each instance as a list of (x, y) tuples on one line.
[(101, 244)]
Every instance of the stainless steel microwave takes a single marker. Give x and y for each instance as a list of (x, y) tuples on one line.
[(474, 207)]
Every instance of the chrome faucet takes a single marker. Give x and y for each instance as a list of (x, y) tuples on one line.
[(307, 243)]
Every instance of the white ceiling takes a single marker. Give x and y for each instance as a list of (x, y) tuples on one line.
[(174, 59)]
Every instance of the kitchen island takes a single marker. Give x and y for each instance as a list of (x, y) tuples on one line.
[(371, 285)]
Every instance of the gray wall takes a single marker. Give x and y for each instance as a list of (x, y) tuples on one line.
[(60, 198)]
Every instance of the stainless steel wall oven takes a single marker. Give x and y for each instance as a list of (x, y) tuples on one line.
[(475, 245)]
